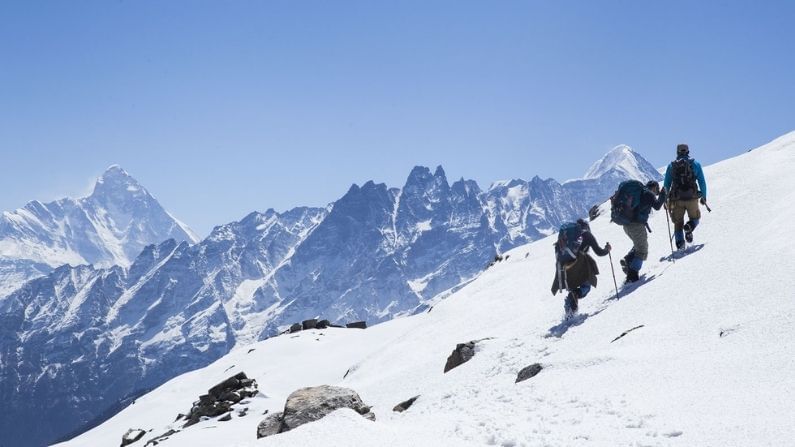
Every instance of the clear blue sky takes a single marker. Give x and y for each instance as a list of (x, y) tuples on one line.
[(222, 108)]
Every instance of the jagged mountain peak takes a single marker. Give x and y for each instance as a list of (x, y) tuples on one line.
[(117, 185), (624, 160)]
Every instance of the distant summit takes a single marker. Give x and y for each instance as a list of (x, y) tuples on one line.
[(624, 161), (109, 227)]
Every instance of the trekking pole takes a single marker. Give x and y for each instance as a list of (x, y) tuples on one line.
[(708, 208), (670, 237), (615, 283)]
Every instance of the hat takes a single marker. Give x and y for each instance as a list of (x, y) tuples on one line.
[(682, 149)]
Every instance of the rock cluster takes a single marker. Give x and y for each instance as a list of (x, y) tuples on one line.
[(220, 398), (314, 323)]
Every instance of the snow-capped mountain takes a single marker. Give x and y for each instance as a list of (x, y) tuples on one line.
[(374, 254), (691, 356), (625, 162), (109, 227)]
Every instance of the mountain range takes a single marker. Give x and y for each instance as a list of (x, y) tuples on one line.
[(93, 333)]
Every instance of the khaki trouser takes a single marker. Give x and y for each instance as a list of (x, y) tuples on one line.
[(640, 239), (678, 209)]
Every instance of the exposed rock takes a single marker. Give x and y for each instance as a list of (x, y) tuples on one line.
[(309, 324), (271, 425), (357, 325), (323, 324), (403, 406), (313, 403), (220, 398), (594, 212), (132, 435), (161, 438), (528, 372), (295, 328), (461, 354)]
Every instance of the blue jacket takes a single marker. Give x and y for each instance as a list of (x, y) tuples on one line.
[(699, 173)]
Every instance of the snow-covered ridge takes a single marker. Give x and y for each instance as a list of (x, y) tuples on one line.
[(701, 361)]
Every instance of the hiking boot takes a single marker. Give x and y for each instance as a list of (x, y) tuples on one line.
[(632, 276), (688, 232), (626, 260), (680, 245), (570, 306)]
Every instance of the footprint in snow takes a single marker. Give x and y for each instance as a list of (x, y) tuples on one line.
[(673, 434)]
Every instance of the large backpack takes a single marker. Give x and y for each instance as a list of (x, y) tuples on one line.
[(683, 179), (624, 202), (569, 242)]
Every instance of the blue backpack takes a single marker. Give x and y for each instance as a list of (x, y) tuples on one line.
[(625, 201), (569, 242)]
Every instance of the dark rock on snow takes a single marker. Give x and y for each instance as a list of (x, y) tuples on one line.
[(295, 328), (132, 435), (357, 325), (309, 324), (528, 372), (403, 406), (461, 354), (220, 398)]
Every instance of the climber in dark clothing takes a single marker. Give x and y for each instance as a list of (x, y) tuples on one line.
[(576, 269)]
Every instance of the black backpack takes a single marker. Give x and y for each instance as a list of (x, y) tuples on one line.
[(683, 180), (569, 242)]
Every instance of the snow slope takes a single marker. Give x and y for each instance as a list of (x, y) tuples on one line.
[(709, 363)]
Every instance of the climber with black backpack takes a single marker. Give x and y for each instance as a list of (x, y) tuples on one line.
[(575, 269), (630, 207), (684, 178)]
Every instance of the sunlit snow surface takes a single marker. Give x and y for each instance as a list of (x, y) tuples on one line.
[(711, 366)]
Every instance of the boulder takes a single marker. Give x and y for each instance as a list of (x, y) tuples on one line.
[(271, 425), (132, 435), (313, 403), (462, 353), (357, 325), (323, 324), (403, 406), (295, 328), (309, 324), (528, 372)]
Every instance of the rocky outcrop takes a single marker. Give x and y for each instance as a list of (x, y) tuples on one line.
[(357, 325), (132, 435), (311, 404), (403, 406), (220, 398), (528, 372)]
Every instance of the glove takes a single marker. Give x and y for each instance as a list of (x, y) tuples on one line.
[(703, 201), (608, 247)]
